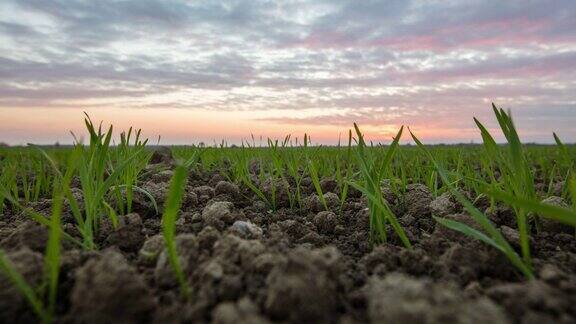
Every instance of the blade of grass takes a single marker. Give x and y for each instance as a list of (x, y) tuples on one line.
[(171, 208), (22, 286), (478, 216)]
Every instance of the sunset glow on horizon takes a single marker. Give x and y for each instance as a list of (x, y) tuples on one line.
[(208, 71)]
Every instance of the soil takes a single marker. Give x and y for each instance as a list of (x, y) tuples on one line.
[(246, 264)]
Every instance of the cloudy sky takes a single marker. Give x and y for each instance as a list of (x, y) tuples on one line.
[(201, 70)]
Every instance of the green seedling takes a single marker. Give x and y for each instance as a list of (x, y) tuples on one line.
[(516, 174), (373, 172), (42, 299), (491, 235), (171, 209)]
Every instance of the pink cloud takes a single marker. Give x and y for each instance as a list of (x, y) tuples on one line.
[(518, 31)]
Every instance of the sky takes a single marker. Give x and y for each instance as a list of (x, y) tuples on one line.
[(193, 71)]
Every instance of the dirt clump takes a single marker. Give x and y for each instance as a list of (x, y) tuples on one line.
[(304, 289), (252, 260), (162, 154), (162, 176), (13, 305), (553, 226), (537, 300), (220, 214), (28, 233), (445, 205), (244, 311), (128, 237), (108, 289), (227, 188), (329, 185), (398, 298), (417, 200), (326, 222), (151, 249), (204, 193), (188, 253)]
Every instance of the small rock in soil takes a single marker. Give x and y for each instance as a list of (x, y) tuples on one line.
[(190, 199), (107, 290), (246, 229)]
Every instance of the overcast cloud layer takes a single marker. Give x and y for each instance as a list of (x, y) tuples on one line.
[(429, 64)]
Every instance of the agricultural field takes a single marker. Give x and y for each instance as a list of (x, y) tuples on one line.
[(286, 231)]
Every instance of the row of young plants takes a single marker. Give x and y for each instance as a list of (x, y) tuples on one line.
[(108, 177)]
